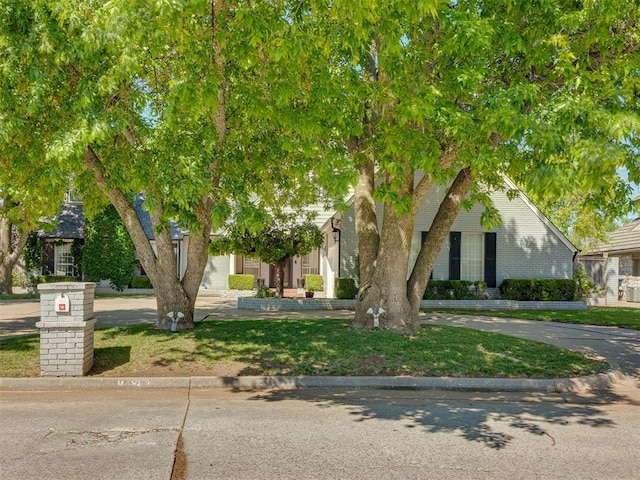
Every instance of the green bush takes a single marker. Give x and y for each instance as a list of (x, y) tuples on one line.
[(264, 292), (449, 290), (241, 282), (345, 287), (313, 282), (538, 289), (54, 279), (140, 281)]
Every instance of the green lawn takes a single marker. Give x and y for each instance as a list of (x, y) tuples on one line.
[(607, 316), (307, 347)]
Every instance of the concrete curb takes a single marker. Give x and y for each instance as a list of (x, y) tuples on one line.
[(593, 382)]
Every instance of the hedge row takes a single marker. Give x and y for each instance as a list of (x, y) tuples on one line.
[(241, 282), (140, 281), (538, 289), (345, 288), (454, 290)]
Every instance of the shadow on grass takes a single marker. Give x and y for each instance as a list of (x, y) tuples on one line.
[(109, 358), (26, 343)]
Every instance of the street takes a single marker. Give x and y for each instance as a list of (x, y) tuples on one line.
[(310, 434)]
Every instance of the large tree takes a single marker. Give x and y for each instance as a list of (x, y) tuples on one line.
[(185, 104), (458, 94)]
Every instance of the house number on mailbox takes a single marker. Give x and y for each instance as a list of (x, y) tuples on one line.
[(62, 304)]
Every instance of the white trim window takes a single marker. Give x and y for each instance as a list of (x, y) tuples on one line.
[(472, 257), (64, 264), (311, 263), (251, 266)]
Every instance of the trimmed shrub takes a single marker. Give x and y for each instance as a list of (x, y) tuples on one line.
[(345, 287), (538, 289), (313, 282), (241, 281), (448, 290), (140, 281), (55, 278)]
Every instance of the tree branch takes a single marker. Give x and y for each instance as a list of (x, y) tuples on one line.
[(440, 227)]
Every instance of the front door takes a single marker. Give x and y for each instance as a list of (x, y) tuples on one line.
[(273, 274)]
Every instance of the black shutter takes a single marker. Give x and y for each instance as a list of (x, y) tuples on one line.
[(455, 242), (490, 259)]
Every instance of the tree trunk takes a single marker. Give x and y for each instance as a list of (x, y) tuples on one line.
[(366, 222), (280, 278), (173, 295), (440, 227), (11, 247), (388, 287)]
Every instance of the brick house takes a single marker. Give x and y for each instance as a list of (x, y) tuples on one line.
[(526, 245)]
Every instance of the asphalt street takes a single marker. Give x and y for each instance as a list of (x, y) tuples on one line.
[(316, 434)]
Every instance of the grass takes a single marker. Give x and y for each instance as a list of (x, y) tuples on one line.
[(19, 296), (308, 347), (606, 316)]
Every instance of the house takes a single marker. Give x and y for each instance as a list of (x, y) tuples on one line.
[(623, 243), (57, 244), (525, 245), (615, 263)]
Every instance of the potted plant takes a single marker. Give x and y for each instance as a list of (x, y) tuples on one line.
[(313, 283)]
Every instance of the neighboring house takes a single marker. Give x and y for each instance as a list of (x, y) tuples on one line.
[(614, 265), (623, 243), (57, 256), (57, 244)]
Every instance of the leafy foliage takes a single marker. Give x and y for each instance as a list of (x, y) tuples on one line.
[(241, 282), (538, 289), (108, 252), (313, 282), (345, 288)]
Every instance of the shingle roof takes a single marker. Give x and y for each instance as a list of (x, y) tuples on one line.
[(177, 233), (70, 222), (624, 239)]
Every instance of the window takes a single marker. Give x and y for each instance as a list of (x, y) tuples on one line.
[(311, 263), (471, 257), (64, 260), (251, 266)]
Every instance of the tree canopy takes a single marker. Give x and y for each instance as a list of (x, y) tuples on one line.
[(460, 94), (209, 107), (191, 104)]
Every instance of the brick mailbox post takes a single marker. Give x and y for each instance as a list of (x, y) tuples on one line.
[(66, 328)]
